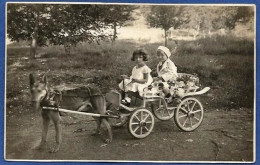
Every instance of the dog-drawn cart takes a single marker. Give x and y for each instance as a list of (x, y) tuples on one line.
[(183, 106)]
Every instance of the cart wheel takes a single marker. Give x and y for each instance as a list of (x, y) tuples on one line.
[(189, 114), (116, 122), (141, 123), (162, 113)]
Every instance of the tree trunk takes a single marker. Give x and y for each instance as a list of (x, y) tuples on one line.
[(33, 48), (209, 33), (67, 48), (165, 37), (115, 32), (204, 34), (35, 36)]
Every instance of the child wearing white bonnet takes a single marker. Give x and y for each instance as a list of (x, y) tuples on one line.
[(166, 69)]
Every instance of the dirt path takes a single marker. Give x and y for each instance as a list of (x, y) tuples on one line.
[(223, 136)]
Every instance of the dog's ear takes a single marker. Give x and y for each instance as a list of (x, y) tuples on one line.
[(31, 79), (44, 79)]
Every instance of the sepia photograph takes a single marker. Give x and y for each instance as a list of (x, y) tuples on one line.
[(129, 82)]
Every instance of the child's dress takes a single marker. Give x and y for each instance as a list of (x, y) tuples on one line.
[(137, 73), (167, 70)]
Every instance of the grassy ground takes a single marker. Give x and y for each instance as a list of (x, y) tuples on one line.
[(223, 63)]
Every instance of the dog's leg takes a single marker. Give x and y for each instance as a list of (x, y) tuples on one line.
[(99, 105), (98, 122), (57, 124), (45, 126), (109, 130)]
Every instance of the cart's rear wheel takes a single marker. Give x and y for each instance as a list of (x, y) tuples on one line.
[(189, 114), (161, 113), (141, 123)]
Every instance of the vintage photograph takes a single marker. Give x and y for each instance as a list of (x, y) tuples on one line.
[(100, 82)]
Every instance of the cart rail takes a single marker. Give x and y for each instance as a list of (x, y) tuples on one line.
[(204, 90), (79, 113)]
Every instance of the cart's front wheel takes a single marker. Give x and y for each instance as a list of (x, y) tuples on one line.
[(141, 123), (189, 114)]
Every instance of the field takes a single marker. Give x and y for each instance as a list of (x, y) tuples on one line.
[(226, 64)]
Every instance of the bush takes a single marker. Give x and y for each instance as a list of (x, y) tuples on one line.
[(212, 59), (216, 45)]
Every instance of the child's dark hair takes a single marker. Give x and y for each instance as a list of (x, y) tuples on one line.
[(142, 52)]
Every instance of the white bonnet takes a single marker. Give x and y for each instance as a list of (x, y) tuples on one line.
[(165, 50)]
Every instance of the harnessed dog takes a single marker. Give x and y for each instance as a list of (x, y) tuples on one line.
[(79, 99)]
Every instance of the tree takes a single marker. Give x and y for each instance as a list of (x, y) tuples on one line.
[(229, 16), (72, 24), (118, 16), (28, 22), (201, 19), (58, 24), (166, 17)]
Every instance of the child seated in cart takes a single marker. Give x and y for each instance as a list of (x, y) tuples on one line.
[(166, 69), (140, 78), (171, 83)]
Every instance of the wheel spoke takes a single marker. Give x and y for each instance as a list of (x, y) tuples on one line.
[(149, 122), (141, 130), (168, 112), (146, 117), (190, 122), (146, 128), (142, 115), (196, 118), (182, 116), (193, 106), (162, 112), (199, 110), (188, 105), (136, 128), (134, 123), (185, 122), (184, 110), (137, 118)]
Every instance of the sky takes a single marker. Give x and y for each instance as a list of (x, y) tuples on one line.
[(140, 32)]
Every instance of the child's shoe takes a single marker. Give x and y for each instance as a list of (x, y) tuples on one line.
[(126, 101)]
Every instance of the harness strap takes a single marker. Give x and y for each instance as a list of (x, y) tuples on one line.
[(89, 92)]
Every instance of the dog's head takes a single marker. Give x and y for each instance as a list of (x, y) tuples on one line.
[(38, 90)]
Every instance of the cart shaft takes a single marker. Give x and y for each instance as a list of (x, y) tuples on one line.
[(77, 112)]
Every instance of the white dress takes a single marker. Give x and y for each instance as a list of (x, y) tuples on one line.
[(137, 73), (168, 70)]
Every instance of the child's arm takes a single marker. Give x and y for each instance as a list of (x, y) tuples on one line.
[(171, 71), (141, 81), (125, 76)]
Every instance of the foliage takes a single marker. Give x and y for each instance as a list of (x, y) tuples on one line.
[(217, 45), (229, 16), (118, 15), (103, 65), (21, 20), (59, 24), (206, 19), (166, 17), (72, 24)]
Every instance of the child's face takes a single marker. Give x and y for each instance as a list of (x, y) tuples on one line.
[(139, 59), (161, 55)]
